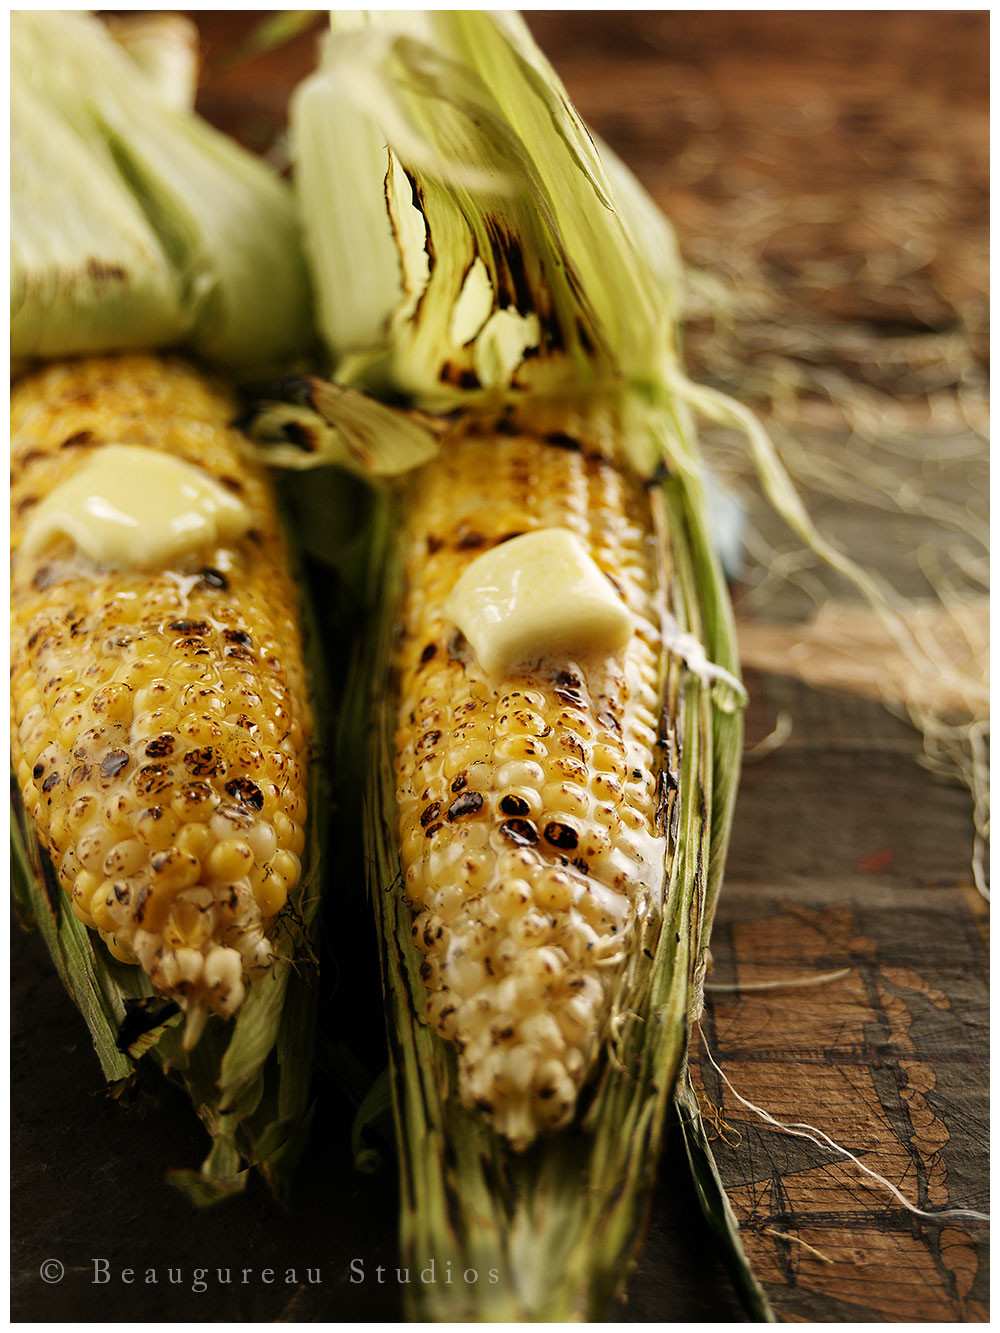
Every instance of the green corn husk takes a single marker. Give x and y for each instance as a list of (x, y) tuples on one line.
[(160, 231), (472, 254)]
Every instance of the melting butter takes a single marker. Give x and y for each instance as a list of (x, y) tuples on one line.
[(136, 508), (537, 596)]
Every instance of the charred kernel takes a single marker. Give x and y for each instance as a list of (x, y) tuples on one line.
[(428, 653), (37, 771), (428, 741), (562, 836), (212, 578), (197, 627), (246, 792), (194, 645), (430, 814), (520, 831), (160, 746), (153, 778), (237, 636), (434, 828), (458, 784), (567, 680), (191, 800), (77, 775), (113, 763), (204, 762), (50, 782), (465, 804), (514, 805)]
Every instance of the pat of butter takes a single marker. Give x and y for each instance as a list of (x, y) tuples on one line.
[(537, 596), (136, 508)]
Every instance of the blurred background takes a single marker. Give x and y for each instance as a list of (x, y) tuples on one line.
[(826, 175)]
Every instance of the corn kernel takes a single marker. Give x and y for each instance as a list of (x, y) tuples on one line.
[(175, 869), (230, 860), (271, 895), (157, 828), (287, 865)]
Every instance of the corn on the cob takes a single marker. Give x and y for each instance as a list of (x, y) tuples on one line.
[(159, 725), (530, 813)]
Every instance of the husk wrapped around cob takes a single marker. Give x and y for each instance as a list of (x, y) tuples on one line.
[(545, 850), (161, 728)]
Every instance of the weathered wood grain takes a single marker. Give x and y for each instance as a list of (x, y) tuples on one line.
[(864, 872)]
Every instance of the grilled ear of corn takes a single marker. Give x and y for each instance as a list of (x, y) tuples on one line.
[(160, 725), (531, 808), (544, 846)]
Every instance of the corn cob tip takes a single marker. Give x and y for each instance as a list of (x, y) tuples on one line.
[(194, 1025)]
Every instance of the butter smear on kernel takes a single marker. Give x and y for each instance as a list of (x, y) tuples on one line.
[(134, 507), (537, 596)]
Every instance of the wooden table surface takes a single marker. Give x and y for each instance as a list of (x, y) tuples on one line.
[(828, 169)]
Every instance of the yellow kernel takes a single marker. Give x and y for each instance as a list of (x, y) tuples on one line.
[(606, 787), (554, 891), (100, 907), (519, 773), (157, 827), (92, 849), (530, 928), (511, 898), (634, 819), (271, 895), (565, 798), (230, 860), (519, 746), (125, 858), (248, 757), (595, 841), (194, 801), (81, 812), (472, 751), (412, 846), (201, 729), (158, 722), (195, 839), (288, 867), (118, 949), (474, 871), (174, 868), (607, 759), (84, 888), (298, 839), (114, 702)]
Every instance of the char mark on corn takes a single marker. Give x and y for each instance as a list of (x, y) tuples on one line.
[(527, 806), (159, 723)]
